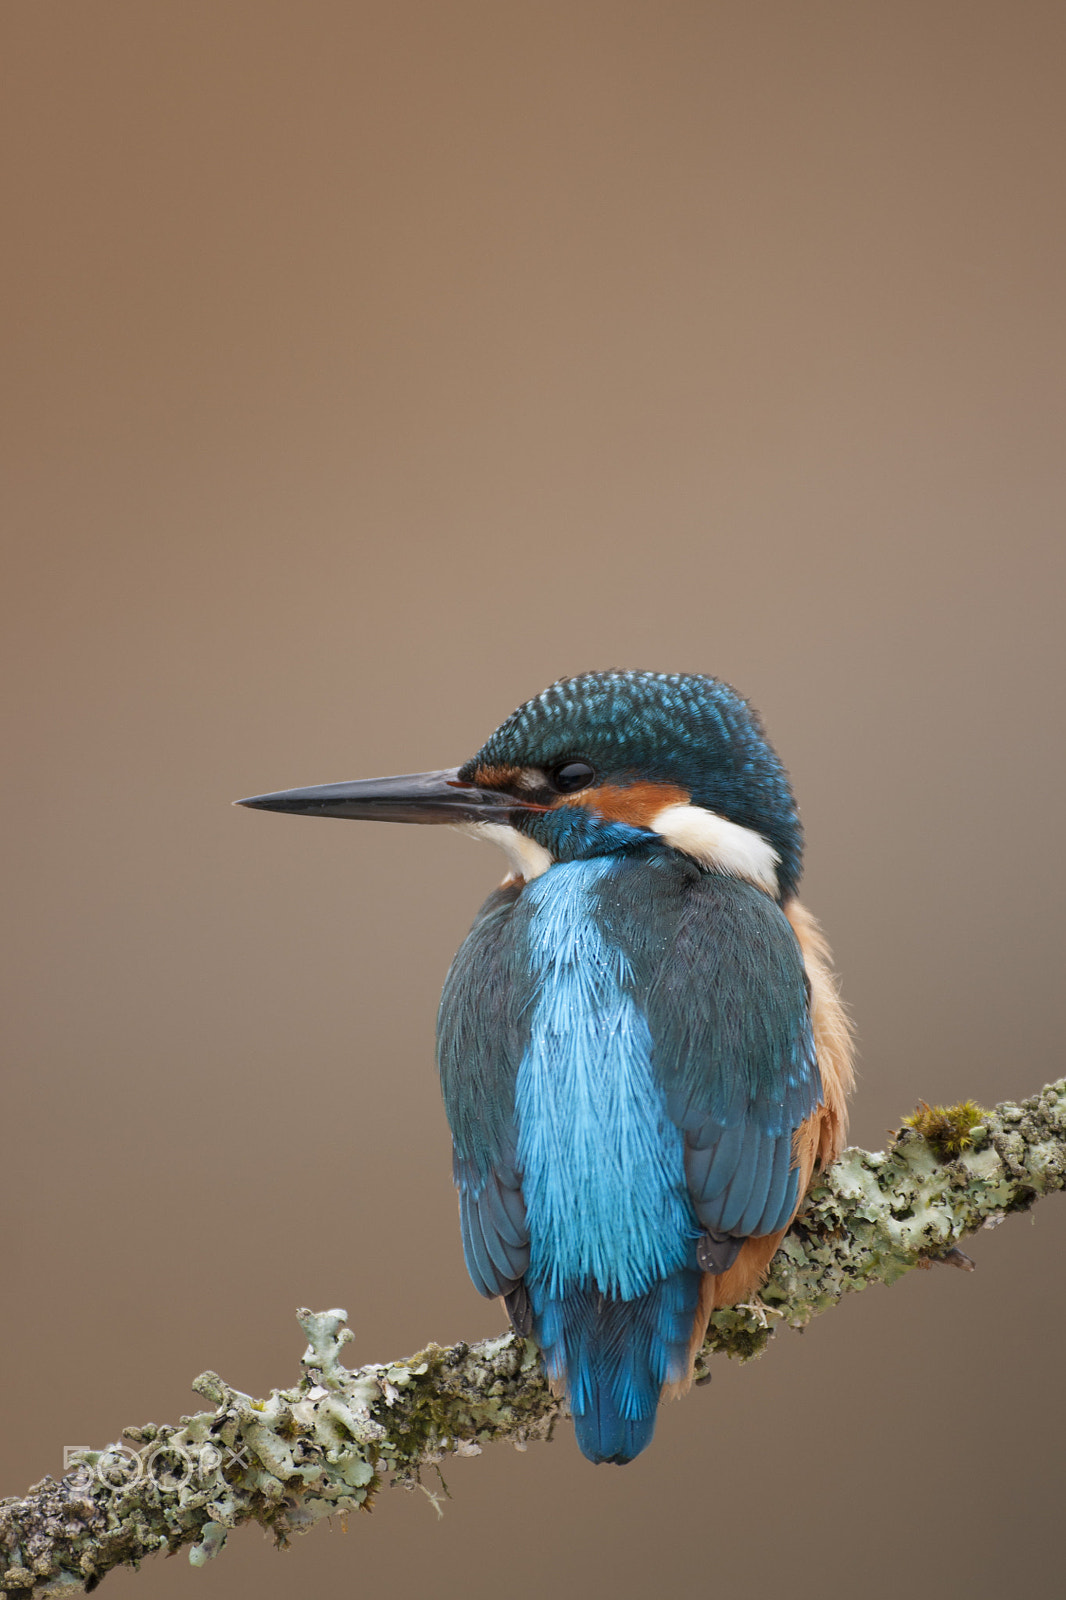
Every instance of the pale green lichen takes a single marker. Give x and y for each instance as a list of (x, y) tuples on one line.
[(326, 1446)]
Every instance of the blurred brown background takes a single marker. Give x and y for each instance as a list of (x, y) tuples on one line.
[(369, 366)]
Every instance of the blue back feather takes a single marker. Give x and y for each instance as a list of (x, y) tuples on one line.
[(625, 1052), (602, 1165)]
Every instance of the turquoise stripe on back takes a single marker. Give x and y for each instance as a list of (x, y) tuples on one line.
[(602, 1168)]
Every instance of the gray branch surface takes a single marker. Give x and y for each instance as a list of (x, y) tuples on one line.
[(326, 1446)]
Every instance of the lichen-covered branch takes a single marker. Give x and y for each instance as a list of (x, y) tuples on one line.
[(326, 1446)]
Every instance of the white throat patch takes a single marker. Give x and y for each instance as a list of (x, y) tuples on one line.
[(717, 843), (526, 858)]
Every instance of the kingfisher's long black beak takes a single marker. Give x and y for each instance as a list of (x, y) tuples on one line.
[(414, 797)]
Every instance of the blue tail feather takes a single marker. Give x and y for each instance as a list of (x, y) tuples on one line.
[(615, 1355), (602, 1435)]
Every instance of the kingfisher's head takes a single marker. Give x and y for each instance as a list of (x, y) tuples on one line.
[(605, 763)]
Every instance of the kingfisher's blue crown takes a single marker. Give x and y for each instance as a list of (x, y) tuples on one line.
[(676, 728)]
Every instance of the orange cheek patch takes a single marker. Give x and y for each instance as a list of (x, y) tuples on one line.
[(632, 803)]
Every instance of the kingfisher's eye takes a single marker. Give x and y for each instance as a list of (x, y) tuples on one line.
[(569, 776)]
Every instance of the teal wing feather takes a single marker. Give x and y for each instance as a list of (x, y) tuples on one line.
[(719, 975), (482, 1032)]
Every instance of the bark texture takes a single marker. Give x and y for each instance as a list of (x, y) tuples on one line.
[(326, 1446)]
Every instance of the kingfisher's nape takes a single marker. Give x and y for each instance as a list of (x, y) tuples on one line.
[(641, 1047)]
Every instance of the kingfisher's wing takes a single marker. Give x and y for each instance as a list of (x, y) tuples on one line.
[(482, 1032), (713, 965), (719, 975)]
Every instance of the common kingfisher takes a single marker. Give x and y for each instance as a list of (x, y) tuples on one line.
[(642, 1051)]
